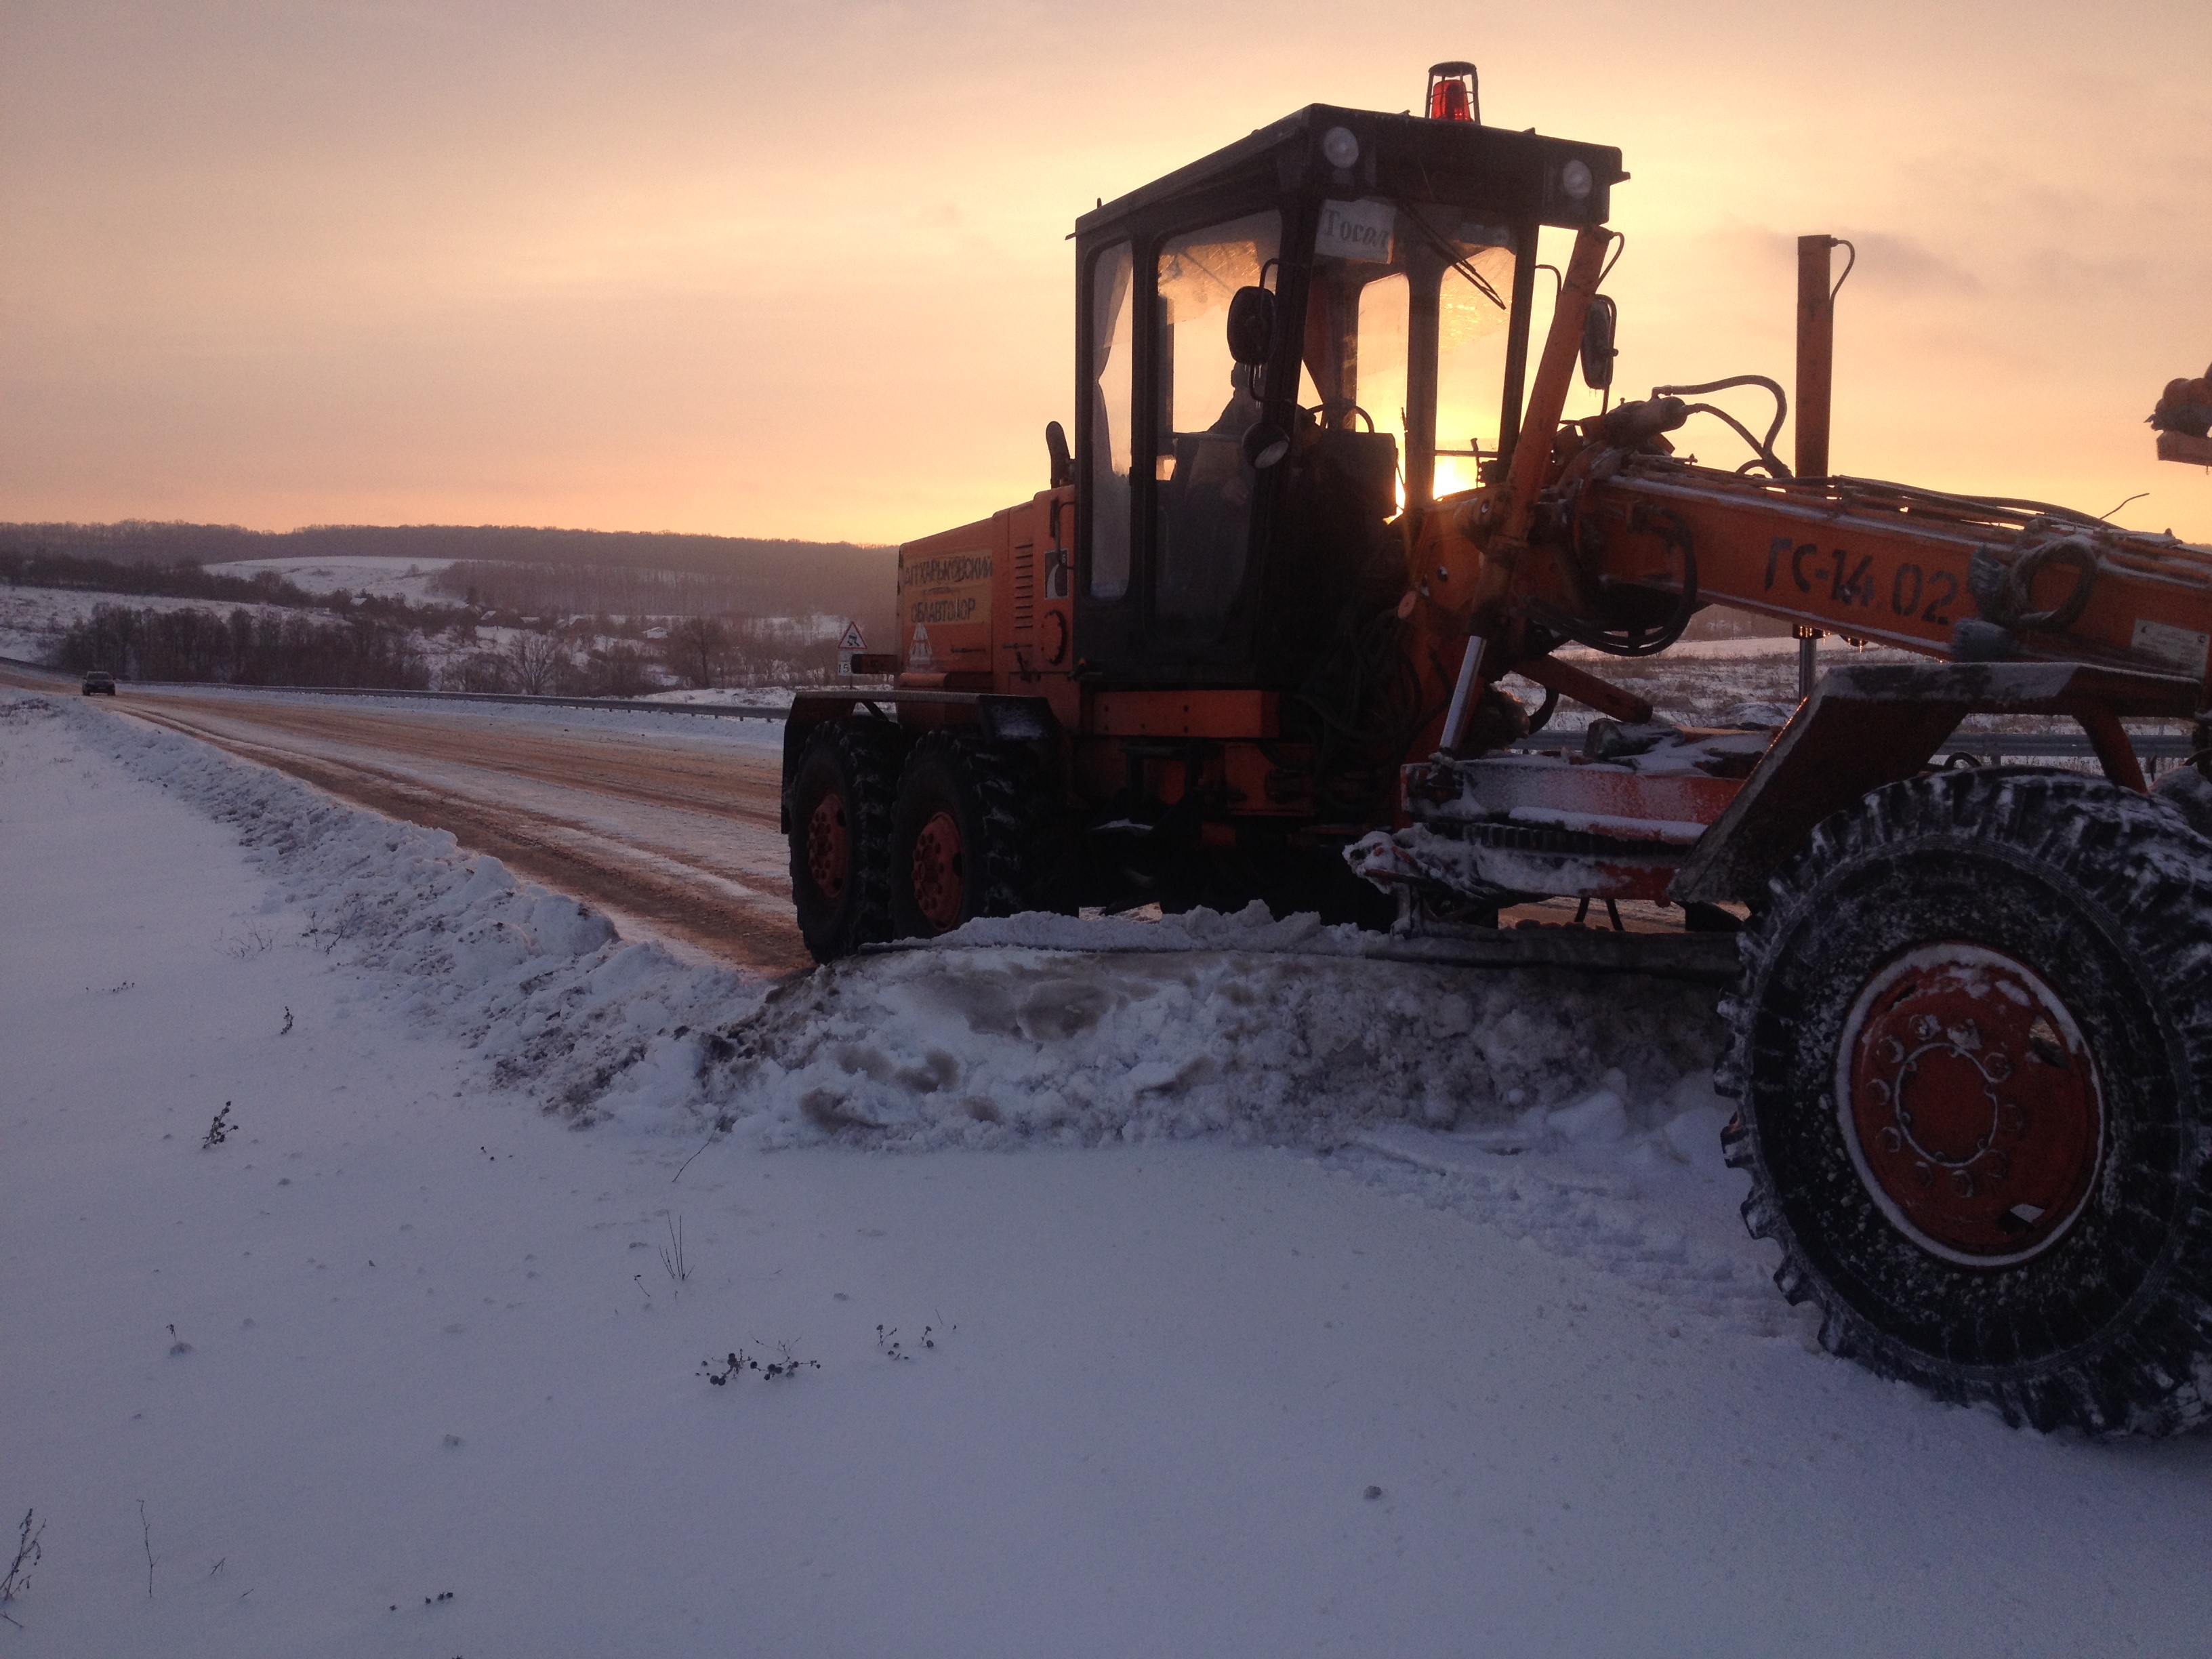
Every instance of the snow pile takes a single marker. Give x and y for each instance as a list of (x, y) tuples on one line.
[(1252, 928), (992, 1046)]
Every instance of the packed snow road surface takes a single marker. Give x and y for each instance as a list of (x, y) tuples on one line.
[(1236, 1344), (654, 820)]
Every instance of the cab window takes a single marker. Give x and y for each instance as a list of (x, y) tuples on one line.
[(1406, 336), (1205, 403), (1113, 408)]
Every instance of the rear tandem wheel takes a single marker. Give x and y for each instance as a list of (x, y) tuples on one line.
[(972, 834), (1973, 1050), (840, 832)]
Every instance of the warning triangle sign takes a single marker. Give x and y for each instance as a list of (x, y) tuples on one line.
[(851, 641)]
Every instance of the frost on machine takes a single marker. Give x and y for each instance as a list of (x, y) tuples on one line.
[(1254, 640)]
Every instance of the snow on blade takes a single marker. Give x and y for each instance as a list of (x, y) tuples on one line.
[(1291, 1040)]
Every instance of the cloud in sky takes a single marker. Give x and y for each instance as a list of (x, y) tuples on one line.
[(800, 271)]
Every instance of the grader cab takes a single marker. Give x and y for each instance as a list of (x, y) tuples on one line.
[(1190, 642), (1254, 641)]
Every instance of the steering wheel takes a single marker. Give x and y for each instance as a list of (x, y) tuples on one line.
[(1320, 414)]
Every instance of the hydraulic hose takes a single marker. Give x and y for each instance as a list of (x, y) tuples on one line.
[(1763, 448), (1671, 529)]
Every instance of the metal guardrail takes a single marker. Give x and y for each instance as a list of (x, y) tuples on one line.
[(727, 711)]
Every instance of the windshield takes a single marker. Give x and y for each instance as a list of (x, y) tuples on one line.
[(1406, 332)]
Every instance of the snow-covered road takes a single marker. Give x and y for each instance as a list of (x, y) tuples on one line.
[(669, 823), (1184, 1319)]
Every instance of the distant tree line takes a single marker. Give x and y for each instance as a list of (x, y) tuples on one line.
[(242, 648), (702, 652), (358, 648), (706, 652), (143, 541), (137, 541), (541, 664), (189, 581), (588, 590), (766, 577), (181, 581)]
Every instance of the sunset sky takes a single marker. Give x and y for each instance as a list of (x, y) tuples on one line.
[(799, 271)]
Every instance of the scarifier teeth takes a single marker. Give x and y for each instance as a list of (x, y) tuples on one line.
[(1735, 1143), (1790, 1279)]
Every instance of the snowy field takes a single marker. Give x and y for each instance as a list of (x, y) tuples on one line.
[(383, 579), (34, 619), (1237, 1297)]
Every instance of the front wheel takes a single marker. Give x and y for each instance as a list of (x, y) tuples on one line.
[(1973, 1050)]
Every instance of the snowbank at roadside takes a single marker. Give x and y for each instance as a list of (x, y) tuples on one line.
[(1239, 1026), (537, 984)]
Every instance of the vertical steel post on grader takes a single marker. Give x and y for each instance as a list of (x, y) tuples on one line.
[(1816, 354), (1816, 366)]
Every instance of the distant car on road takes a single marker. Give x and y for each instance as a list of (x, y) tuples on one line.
[(99, 681)]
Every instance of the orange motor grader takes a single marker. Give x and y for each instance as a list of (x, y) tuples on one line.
[(1256, 641)]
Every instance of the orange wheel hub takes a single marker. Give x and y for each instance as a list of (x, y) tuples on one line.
[(938, 878), (829, 847), (1970, 1104)]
